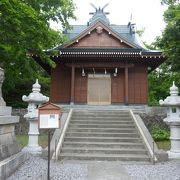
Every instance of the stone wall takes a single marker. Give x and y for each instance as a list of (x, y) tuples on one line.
[(154, 117), (154, 121), (155, 110), (22, 127)]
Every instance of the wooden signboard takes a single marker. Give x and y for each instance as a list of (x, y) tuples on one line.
[(49, 115)]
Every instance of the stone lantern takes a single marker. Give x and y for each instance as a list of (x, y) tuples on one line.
[(172, 103), (35, 99)]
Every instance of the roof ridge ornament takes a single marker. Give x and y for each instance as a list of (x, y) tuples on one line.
[(99, 9), (107, 4), (93, 7), (99, 14)]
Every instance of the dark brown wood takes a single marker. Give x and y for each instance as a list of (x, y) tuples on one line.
[(100, 65), (72, 83), (60, 91), (126, 86), (80, 87), (138, 85), (96, 40), (117, 87)]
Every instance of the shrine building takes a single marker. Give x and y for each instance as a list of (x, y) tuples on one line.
[(101, 64)]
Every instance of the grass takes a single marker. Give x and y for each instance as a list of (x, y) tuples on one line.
[(165, 145), (22, 140)]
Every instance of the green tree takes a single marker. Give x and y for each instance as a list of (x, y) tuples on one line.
[(161, 79), (24, 26), (55, 10), (170, 40)]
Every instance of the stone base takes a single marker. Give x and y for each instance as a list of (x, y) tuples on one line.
[(35, 150), (174, 154), (11, 164), (2, 102), (4, 120), (5, 110), (8, 150), (161, 155), (7, 135), (8, 145)]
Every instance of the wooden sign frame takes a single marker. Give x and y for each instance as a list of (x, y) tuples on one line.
[(49, 116)]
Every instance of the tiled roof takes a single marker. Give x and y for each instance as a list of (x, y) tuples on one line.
[(125, 31)]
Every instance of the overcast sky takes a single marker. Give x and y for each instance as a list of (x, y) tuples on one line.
[(145, 13)]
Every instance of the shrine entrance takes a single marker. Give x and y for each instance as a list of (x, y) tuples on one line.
[(99, 89)]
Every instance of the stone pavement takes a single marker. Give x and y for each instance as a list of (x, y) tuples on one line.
[(106, 171)]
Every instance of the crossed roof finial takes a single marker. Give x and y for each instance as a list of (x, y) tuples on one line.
[(99, 9)]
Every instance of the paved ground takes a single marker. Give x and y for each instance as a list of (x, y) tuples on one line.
[(36, 169), (107, 171)]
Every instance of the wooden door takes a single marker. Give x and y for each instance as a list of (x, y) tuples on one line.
[(99, 89)]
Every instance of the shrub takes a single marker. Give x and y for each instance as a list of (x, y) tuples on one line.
[(160, 134)]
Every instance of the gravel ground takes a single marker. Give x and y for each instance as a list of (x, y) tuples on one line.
[(160, 171), (36, 169)]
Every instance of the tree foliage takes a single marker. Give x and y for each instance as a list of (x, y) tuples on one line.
[(24, 26), (161, 79), (170, 40)]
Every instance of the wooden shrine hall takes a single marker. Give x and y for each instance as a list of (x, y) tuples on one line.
[(101, 64)]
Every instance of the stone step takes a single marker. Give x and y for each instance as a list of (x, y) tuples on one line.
[(104, 116), (118, 108), (89, 112), (103, 135), (101, 112), (107, 130), (100, 122), (103, 139), (101, 125), (103, 150), (100, 134), (103, 157), (127, 145), (101, 116)]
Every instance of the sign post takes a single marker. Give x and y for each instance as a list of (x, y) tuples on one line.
[(49, 118), (48, 173)]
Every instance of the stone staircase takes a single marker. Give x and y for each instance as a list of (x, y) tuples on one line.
[(103, 135)]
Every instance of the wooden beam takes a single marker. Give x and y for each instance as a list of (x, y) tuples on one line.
[(126, 87), (72, 84), (100, 65)]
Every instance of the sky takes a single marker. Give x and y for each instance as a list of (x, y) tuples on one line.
[(146, 14)]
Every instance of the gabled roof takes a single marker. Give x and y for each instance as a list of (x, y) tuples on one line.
[(125, 32), (49, 106), (111, 31)]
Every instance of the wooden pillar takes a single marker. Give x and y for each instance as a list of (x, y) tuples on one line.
[(72, 83), (126, 86)]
